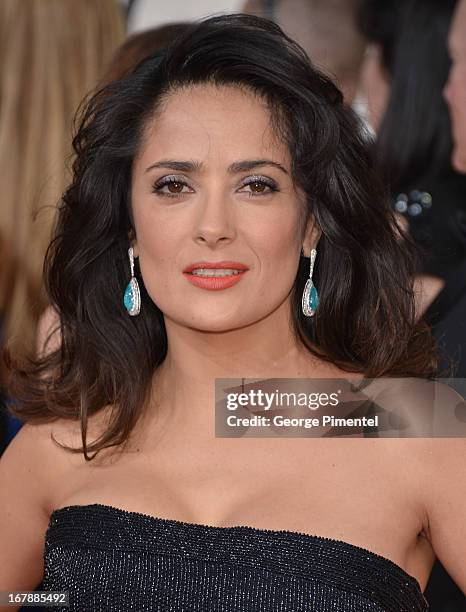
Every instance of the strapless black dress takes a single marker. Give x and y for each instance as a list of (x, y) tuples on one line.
[(110, 559)]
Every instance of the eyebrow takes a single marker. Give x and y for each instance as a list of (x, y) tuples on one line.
[(235, 167)]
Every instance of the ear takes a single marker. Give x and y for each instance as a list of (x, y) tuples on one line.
[(311, 236)]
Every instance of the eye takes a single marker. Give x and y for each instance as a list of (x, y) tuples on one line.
[(260, 186), (174, 185)]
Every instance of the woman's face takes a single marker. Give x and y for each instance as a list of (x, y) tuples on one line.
[(455, 90), (211, 183)]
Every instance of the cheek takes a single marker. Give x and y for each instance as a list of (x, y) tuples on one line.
[(158, 245), (158, 232), (154, 263), (153, 247), (278, 246)]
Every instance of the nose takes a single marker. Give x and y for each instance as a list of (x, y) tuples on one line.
[(215, 221)]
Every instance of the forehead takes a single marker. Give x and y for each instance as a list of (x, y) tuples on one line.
[(205, 120), (457, 38)]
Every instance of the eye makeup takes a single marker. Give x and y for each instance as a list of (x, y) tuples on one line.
[(167, 181)]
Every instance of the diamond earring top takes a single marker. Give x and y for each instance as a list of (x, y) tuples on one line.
[(310, 300)]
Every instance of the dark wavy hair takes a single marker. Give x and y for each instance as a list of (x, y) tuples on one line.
[(414, 139), (365, 322)]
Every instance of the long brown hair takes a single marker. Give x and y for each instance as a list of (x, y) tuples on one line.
[(52, 53), (365, 321)]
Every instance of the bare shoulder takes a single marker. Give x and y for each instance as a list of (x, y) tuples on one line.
[(40, 457), (24, 468), (25, 457), (34, 469), (29, 464)]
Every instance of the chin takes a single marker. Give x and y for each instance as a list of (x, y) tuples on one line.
[(217, 322), (459, 161), (215, 327)]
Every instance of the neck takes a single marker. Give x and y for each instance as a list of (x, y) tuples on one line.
[(185, 382)]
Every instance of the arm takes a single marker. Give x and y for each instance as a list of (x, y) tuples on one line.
[(23, 509)]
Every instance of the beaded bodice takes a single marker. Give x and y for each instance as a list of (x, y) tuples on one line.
[(112, 559)]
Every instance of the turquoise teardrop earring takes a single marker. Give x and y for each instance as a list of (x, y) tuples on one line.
[(310, 296), (132, 296)]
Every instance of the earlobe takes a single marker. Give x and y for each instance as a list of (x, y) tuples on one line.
[(311, 238), (133, 242)]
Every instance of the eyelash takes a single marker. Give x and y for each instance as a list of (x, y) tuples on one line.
[(253, 180)]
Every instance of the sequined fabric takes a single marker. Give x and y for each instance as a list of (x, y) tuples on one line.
[(110, 559)]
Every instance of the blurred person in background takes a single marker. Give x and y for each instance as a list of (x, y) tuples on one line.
[(453, 322), (327, 31), (148, 14), (455, 90), (52, 54), (403, 76), (139, 46)]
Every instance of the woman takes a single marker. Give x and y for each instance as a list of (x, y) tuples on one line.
[(228, 150), (404, 76)]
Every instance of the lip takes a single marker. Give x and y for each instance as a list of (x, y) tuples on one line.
[(234, 265), (214, 283)]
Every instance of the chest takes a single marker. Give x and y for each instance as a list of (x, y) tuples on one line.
[(346, 489)]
